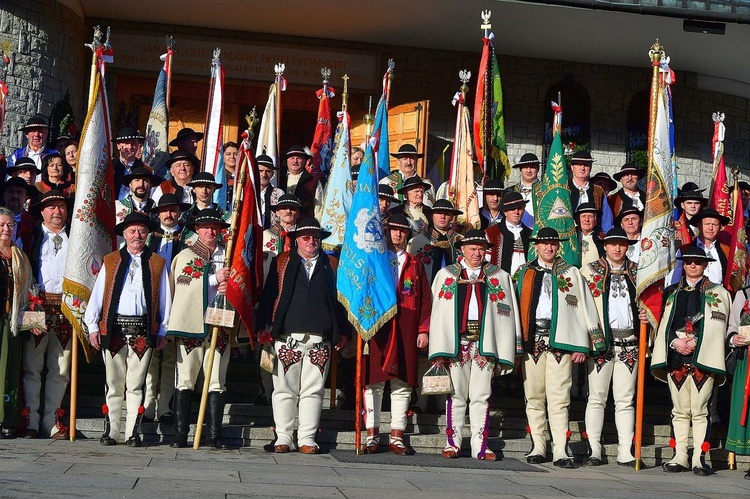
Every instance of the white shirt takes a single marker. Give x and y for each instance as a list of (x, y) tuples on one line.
[(635, 200), (544, 306), (133, 296), (634, 251), (166, 244), (583, 196), (473, 304), (51, 262), (713, 271), (519, 257), (187, 194), (309, 267), (620, 312)]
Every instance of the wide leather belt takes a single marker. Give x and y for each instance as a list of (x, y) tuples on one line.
[(130, 324), (624, 343), (543, 326), (472, 331), (51, 299), (622, 333)]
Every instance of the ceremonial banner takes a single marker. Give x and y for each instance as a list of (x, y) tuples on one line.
[(719, 199), (322, 144), (155, 147), (214, 128), (462, 186), (379, 138), (555, 208), (734, 279), (3, 100), (657, 236), (489, 123), (338, 196), (365, 281), (267, 140), (246, 273), (91, 229)]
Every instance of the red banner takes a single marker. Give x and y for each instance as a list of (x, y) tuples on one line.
[(481, 116), (734, 280), (719, 199), (322, 144), (246, 272)]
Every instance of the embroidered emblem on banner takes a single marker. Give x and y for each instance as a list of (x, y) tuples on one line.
[(369, 234)]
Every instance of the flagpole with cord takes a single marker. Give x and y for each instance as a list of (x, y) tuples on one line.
[(655, 54), (486, 26), (236, 199), (326, 73), (94, 46), (170, 49), (279, 70), (731, 457)]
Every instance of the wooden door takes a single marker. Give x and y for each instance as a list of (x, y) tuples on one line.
[(407, 124)]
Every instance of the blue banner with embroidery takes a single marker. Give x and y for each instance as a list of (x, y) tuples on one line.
[(365, 281), (339, 189)]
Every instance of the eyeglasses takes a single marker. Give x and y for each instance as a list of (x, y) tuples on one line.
[(307, 239), (687, 263)]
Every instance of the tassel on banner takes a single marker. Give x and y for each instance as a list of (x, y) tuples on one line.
[(366, 349)]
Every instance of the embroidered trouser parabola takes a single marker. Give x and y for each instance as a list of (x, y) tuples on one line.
[(126, 371), (160, 381), (52, 349), (618, 367), (192, 357), (302, 362), (400, 397), (547, 382), (691, 391), (471, 375)]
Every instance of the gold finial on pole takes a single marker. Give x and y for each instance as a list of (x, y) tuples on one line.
[(464, 75), (486, 26), (345, 93), (252, 119), (369, 120), (391, 66)]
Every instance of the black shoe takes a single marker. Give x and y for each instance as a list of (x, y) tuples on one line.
[(215, 414), (146, 419), (535, 459), (673, 467), (592, 461), (107, 441), (167, 418), (261, 400), (566, 463), (179, 442), (629, 464), (181, 418), (747, 475), (134, 441), (703, 471)]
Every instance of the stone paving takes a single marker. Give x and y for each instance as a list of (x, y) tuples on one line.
[(46, 468)]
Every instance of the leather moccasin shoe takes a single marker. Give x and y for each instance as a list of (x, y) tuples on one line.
[(535, 459), (703, 471), (673, 468), (309, 449), (449, 453), (592, 461), (566, 463), (281, 449), (106, 441), (488, 456)]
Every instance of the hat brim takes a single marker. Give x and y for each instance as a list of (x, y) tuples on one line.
[(12, 169), (208, 221), (183, 207), (139, 138), (36, 208), (611, 184), (196, 163), (700, 216), (514, 205), (29, 127), (547, 239), (464, 242), (201, 183), (120, 228), (267, 165), (524, 164), (198, 135), (402, 154), (297, 207), (617, 176), (706, 259), (629, 242), (412, 186), (322, 233), (31, 191), (155, 179)]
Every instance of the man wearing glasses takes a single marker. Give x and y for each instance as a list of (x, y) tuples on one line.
[(300, 313)]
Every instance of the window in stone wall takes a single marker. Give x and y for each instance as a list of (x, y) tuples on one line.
[(576, 119), (637, 138)]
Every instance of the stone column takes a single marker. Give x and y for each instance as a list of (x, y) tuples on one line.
[(49, 58)]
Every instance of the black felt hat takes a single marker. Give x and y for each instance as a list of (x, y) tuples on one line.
[(35, 121), (474, 236), (134, 218), (309, 225), (616, 234), (52, 195), (695, 253), (207, 216), (629, 169), (528, 159), (129, 133), (546, 234), (512, 200), (185, 132), (407, 150)]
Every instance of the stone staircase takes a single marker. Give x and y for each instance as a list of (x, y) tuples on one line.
[(249, 425)]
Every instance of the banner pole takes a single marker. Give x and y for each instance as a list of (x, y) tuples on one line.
[(358, 400)]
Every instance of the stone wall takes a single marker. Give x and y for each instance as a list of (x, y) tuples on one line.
[(433, 74), (49, 60)]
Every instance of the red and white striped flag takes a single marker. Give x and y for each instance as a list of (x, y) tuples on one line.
[(214, 128)]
